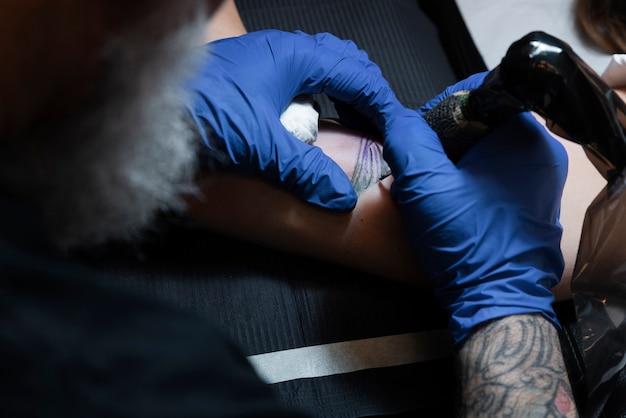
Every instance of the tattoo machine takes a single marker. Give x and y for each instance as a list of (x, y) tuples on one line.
[(540, 73)]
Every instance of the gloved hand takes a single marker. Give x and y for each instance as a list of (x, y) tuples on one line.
[(247, 82), (486, 231)]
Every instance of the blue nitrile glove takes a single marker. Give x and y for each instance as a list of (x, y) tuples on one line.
[(486, 231), (247, 82)]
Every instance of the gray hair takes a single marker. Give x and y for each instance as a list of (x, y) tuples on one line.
[(107, 173)]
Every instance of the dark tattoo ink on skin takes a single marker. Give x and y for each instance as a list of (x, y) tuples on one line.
[(370, 167), (513, 367)]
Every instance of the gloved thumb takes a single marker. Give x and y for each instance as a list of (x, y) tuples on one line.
[(470, 83), (309, 174), (415, 154)]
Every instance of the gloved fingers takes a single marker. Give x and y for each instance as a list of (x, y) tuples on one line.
[(520, 163), (327, 43), (345, 73), (363, 87), (416, 156), (308, 173), (521, 141), (297, 63), (471, 83)]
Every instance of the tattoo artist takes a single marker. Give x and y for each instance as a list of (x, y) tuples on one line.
[(486, 231)]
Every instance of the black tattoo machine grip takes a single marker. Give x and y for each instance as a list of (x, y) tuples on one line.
[(539, 73)]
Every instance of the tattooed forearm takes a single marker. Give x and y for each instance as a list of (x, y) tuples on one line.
[(513, 367), (370, 167)]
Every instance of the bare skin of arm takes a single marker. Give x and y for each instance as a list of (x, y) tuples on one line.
[(370, 238), (225, 22)]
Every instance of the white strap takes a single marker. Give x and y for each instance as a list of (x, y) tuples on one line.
[(351, 356)]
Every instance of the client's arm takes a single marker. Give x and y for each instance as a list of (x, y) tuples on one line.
[(370, 238)]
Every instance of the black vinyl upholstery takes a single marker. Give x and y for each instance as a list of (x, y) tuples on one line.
[(268, 300)]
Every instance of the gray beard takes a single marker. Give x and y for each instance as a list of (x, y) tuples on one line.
[(106, 175)]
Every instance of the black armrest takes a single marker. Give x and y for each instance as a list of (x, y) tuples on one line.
[(455, 37)]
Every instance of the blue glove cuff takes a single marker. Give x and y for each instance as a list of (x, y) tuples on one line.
[(474, 306)]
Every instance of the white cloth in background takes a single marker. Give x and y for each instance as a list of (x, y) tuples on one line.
[(494, 25)]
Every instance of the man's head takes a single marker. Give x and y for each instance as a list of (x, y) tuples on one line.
[(91, 116)]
